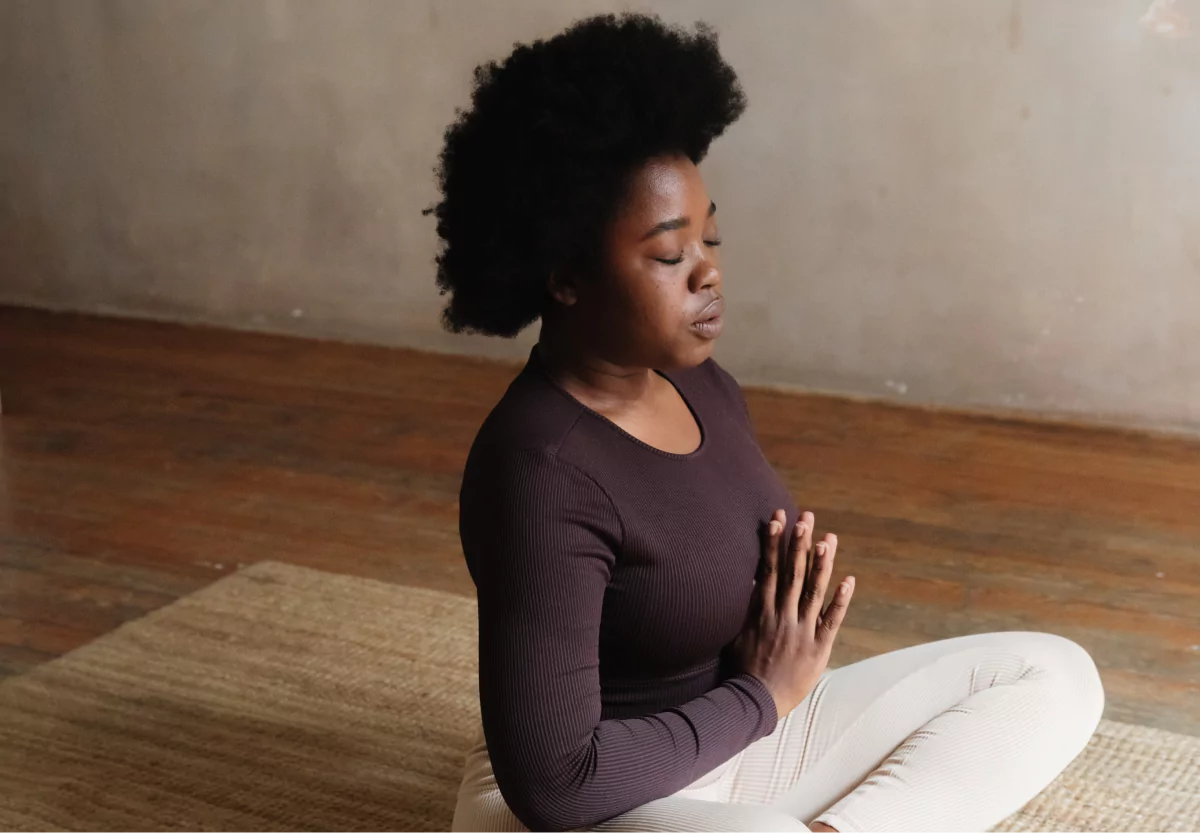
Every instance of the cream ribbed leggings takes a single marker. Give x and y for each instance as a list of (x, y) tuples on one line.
[(949, 735)]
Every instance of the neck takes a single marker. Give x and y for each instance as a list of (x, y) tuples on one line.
[(586, 373)]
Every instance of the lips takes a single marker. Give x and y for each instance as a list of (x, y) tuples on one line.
[(709, 322)]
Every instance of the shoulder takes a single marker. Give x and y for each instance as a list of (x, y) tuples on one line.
[(709, 372), (710, 380), (723, 376), (518, 454), (521, 496), (531, 416), (521, 476)]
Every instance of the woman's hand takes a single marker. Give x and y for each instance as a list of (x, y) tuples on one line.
[(787, 639)]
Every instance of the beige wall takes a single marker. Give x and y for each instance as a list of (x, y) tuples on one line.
[(990, 204)]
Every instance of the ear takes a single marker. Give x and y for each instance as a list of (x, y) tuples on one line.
[(562, 289)]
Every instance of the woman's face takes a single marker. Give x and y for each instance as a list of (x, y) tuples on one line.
[(658, 302)]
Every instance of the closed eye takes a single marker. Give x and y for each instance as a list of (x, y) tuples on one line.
[(678, 260)]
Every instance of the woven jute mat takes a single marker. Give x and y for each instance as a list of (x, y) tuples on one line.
[(284, 698)]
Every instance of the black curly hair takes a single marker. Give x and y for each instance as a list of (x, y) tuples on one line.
[(534, 173)]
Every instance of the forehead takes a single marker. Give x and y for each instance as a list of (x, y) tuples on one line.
[(665, 188)]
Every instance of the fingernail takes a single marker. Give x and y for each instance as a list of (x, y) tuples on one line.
[(799, 527), (821, 548), (775, 527), (844, 588)]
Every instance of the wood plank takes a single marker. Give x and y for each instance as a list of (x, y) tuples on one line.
[(141, 460)]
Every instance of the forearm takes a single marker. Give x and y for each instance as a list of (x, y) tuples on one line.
[(626, 763)]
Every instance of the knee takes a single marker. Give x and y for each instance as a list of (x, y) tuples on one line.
[(1076, 679)]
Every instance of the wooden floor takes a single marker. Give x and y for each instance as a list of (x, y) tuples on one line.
[(140, 461)]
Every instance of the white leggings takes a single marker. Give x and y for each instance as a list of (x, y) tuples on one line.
[(955, 734)]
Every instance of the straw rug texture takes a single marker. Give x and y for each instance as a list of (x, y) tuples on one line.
[(283, 698)]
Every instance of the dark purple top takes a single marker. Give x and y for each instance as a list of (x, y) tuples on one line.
[(610, 576)]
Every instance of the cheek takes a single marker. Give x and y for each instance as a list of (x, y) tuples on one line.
[(650, 300), (663, 302)]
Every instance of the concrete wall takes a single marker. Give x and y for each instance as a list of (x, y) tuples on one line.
[(987, 204)]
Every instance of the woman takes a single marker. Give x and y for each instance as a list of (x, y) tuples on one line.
[(655, 614)]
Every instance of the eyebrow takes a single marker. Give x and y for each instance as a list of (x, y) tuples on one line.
[(676, 223)]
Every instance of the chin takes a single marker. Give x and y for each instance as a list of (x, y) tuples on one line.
[(705, 349), (690, 355)]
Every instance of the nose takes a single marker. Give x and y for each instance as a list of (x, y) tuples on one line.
[(705, 275)]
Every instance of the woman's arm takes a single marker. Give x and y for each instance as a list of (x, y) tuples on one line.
[(541, 538)]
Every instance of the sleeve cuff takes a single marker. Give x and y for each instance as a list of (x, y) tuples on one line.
[(763, 698)]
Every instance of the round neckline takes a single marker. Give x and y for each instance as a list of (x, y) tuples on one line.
[(545, 371)]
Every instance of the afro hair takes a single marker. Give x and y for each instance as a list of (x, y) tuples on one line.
[(536, 170)]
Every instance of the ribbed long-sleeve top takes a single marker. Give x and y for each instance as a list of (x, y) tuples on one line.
[(611, 576)]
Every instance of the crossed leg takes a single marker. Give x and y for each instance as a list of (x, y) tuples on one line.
[(955, 734)]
